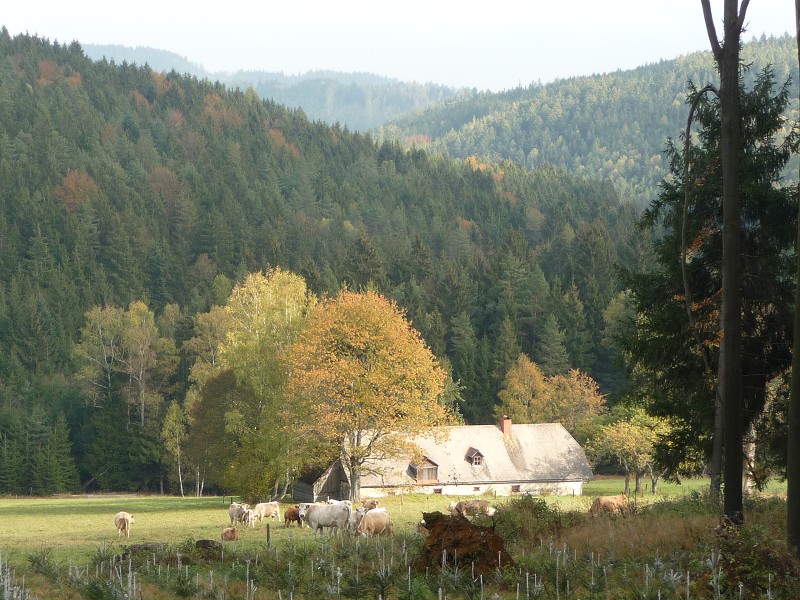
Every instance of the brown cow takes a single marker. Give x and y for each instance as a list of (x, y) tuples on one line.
[(375, 522), (370, 503), (292, 514), (609, 504), (230, 534)]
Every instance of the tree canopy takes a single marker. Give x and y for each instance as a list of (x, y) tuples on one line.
[(363, 381)]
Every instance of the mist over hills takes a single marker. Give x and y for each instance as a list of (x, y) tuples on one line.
[(359, 101)]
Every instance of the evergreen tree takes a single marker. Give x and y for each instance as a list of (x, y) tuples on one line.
[(551, 351)]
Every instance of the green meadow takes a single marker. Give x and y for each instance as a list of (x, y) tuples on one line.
[(42, 539)]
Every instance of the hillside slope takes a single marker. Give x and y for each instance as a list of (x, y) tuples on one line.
[(611, 126)]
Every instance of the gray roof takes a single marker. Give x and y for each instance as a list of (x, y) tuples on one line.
[(541, 452)]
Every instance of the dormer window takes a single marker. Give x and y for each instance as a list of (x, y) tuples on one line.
[(426, 471), (475, 457)]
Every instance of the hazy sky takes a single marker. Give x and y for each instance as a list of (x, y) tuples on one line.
[(493, 44)]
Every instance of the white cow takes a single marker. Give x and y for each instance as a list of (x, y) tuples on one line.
[(249, 518), (123, 522), (264, 510), (325, 515), (236, 512)]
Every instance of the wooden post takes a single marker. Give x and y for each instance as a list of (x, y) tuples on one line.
[(268, 535)]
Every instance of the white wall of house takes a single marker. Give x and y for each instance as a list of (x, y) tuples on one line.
[(552, 488)]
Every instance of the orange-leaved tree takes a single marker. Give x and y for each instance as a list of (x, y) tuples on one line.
[(529, 396), (363, 383)]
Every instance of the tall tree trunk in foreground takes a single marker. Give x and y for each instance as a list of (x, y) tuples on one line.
[(727, 57), (793, 450)]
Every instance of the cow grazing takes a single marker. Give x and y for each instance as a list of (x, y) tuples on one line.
[(325, 515), (229, 534), (467, 508), (375, 522), (267, 510), (236, 512), (609, 504), (292, 514), (370, 503), (123, 522)]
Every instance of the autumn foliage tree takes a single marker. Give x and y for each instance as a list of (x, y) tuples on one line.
[(630, 442), (363, 382), (529, 396)]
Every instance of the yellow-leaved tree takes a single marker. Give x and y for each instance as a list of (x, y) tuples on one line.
[(529, 396), (363, 384), (250, 337)]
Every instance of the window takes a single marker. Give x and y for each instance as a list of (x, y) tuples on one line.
[(476, 489), (474, 456), (437, 490), (426, 471), (515, 488)]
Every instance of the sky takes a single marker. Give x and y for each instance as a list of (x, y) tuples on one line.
[(489, 45)]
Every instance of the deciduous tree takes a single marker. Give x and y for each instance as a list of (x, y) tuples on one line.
[(363, 382)]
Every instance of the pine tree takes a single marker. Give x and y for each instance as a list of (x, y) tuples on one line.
[(551, 351)]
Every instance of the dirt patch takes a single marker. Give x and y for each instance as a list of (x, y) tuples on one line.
[(454, 540)]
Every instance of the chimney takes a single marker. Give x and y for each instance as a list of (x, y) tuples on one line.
[(505, 426)]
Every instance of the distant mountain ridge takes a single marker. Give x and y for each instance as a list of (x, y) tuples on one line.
[(359, 101), (613, 126)]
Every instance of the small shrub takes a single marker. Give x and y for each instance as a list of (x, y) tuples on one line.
[(528, 518), (42, 562)]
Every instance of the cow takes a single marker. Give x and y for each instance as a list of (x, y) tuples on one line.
[(609, 504), (123, 522), (229, 534), (375, 522), (357, 515), (236, 512), (347, 502), (325, 515), (467, 508), (265, 510), (370, 503), (249, 518), (292, 514)]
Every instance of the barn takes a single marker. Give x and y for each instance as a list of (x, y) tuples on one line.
[(503, 459)]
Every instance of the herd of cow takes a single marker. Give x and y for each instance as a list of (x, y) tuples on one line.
[(367, 520)]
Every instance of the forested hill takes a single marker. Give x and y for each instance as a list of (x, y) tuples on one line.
[(359, 101), (120, 184), (611, 126)]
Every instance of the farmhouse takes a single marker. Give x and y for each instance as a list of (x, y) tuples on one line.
[(540, 458)]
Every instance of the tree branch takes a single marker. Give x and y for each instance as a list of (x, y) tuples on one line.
[(687, 294), (710, 29)]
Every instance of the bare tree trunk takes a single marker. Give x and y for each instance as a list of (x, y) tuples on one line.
[(793, 450), (715, 489), (180, 474), (727, 57), (749, 463)]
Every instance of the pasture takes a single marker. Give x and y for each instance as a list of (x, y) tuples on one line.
[(78, 531), (75, 526)]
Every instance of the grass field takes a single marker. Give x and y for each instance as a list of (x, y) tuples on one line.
[(73, 531), (74, 527)]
